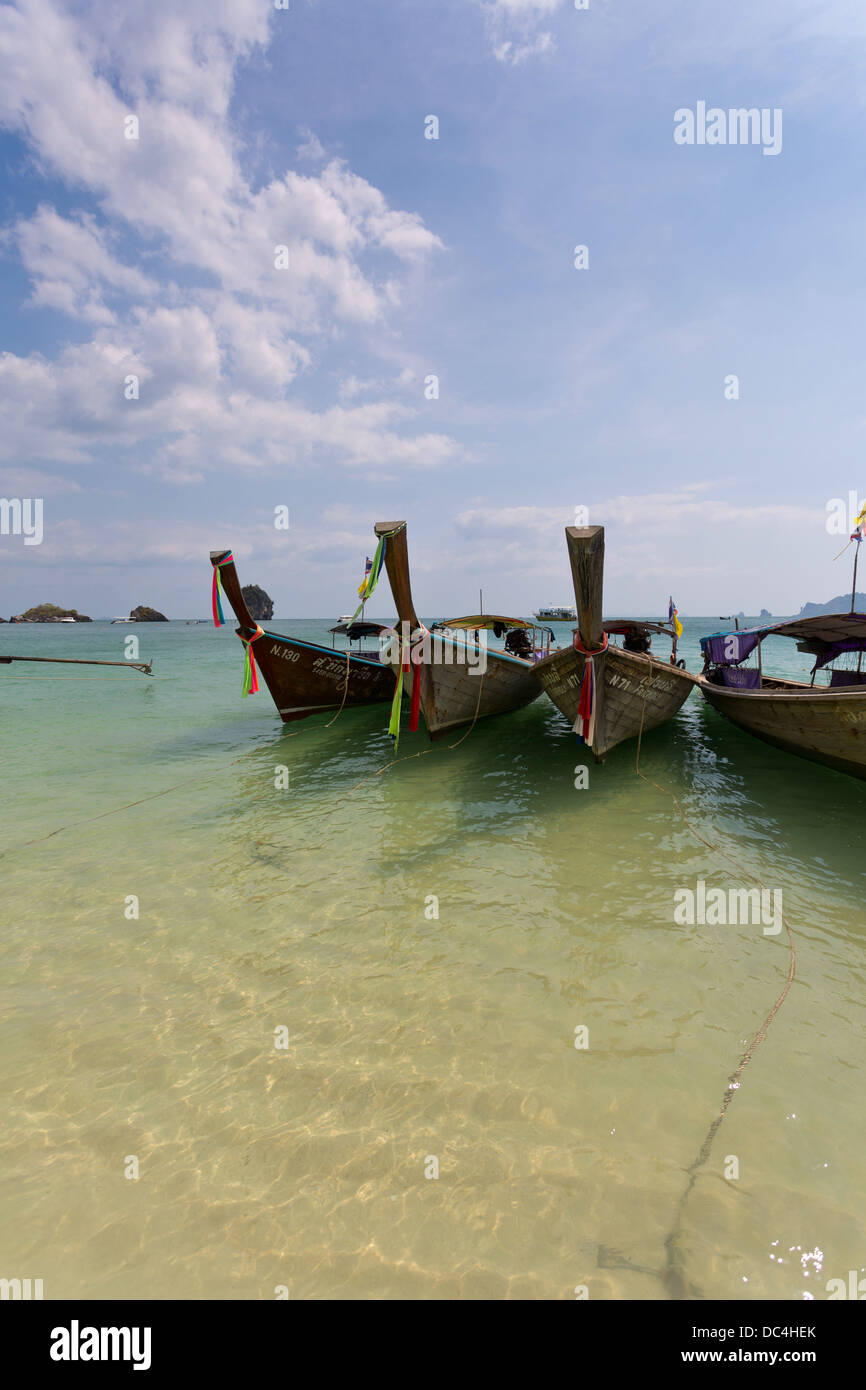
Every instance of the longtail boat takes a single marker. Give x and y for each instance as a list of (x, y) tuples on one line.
[(449, 672), (825, 723), (303, 677), (607, 692)]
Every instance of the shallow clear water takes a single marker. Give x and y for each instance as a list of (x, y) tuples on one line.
[(409, 1037)]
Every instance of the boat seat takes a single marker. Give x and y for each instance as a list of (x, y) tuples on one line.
[(736, 678)]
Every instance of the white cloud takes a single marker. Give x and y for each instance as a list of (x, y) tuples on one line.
[(72, 267), (521, 8), (664, 537), (311, 148), (516, 53), (217, 339), (513, 26), (214, 406)]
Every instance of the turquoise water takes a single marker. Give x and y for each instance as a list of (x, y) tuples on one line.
[(410, 1037)]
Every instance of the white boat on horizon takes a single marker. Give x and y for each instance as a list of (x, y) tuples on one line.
[(556, 615)]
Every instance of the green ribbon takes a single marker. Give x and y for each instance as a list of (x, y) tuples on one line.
[(394, 725), (372, 579)]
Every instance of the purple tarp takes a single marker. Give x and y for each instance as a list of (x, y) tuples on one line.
[(836, 649), (730, 648), (747, 679)]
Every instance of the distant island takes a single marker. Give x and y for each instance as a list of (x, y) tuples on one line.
[(840, 604), (141, 614), (260, 604), (50, 613)]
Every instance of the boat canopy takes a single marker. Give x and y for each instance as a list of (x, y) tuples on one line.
[(485, 620), (825, 637), (621, 627), (354, 631)]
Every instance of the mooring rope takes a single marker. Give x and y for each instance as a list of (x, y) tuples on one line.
[(474, 717), (674, 1272), (345, 693), (103, 815), (409, 756), (212, 777)]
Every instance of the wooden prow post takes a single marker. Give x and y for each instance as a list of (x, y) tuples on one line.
[(397, 565), (586, 553), (232, 589)]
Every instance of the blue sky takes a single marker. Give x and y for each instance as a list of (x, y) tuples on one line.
[(409, 257)]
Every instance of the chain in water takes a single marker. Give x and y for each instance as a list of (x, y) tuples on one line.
[(674, 1271)]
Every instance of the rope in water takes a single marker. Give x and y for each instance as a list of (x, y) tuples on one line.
[(194, 781), (674, 1262), (409, 756), (345, 693), (474, 717), (103, 815)]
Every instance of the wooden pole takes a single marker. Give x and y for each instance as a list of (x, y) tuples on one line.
[(586, 552), (145, 666), (232, 588), (397, 565)]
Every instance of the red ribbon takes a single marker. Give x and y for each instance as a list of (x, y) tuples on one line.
[(586, 702), (415, 707)]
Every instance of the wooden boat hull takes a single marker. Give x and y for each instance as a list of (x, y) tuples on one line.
[(306, 679), (303, 677), (825, 726), (451, 693), (454, 694), (633, 691)]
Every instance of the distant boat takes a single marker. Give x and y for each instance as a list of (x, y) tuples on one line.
[(66, 620), (114, 620), (556, 615)]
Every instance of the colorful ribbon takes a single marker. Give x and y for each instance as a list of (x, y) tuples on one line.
[(371, 579), (415, 706), (216, 591), (584, 724), (251, 681), (394, 723)]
